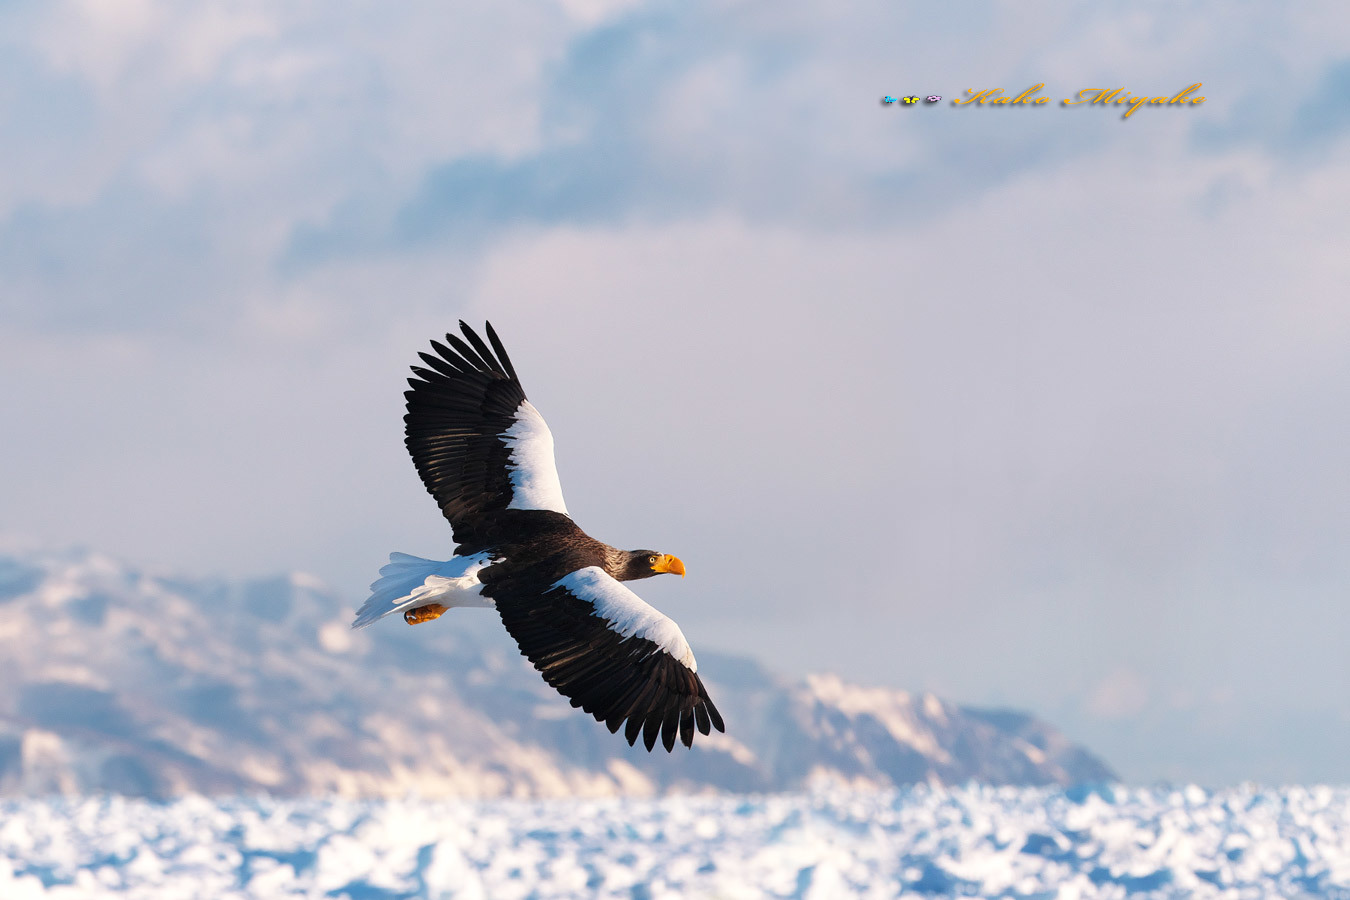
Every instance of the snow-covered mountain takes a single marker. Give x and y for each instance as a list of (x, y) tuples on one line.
[(115, 679)]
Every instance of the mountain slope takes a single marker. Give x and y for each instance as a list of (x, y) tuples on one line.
[(114, 679)]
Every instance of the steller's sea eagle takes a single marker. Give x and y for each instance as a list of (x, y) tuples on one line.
[(486, 455)]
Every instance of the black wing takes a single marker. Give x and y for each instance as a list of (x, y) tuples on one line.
[(478, 444), (611, 654)]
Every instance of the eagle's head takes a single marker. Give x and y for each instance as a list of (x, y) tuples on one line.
[(646, 563)]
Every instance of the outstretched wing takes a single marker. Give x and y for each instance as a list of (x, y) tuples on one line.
[(611, 654), (478, 444)]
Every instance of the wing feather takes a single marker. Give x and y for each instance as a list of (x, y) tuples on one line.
[(477, 442), (632, 730), (469, 354), (651, 730), (436, 363), (501, 352), (598, 644), (484, 353), (450, 357), (687, 727)]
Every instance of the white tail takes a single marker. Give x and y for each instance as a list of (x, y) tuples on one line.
[(410, 581)]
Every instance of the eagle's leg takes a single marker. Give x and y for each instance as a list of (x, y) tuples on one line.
[(424, 613)]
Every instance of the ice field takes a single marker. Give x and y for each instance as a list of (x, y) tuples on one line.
[(989, 842)]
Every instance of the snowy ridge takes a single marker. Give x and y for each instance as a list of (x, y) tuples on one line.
[(986, 842), (145, 684)]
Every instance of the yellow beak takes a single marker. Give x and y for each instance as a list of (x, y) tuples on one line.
[(670, 564)]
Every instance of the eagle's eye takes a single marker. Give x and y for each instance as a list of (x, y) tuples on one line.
[(651, 560)]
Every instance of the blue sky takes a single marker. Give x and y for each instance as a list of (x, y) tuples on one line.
[(1037, 407)]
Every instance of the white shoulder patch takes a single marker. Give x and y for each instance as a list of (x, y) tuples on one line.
[(627, 613), (534, 474)]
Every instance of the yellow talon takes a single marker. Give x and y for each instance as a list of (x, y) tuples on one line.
[(424, 613)]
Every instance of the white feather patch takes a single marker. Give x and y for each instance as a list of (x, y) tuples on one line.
[(534, 474), (410, 581), (627, 613)]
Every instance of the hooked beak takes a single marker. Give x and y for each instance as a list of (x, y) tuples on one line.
[(671, 564)]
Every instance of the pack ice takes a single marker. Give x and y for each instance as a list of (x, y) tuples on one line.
[(975, 841)]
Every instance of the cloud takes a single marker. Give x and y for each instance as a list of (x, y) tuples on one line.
[(660, 117), (159, 158), (674, 113), (235, 150), (1325, 115)]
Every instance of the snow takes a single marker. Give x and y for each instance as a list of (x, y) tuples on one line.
[(976, 841), (893, 709)]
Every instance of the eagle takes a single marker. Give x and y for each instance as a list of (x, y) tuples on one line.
[(486, 455)]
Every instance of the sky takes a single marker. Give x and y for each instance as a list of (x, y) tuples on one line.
[(1033, 406)]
